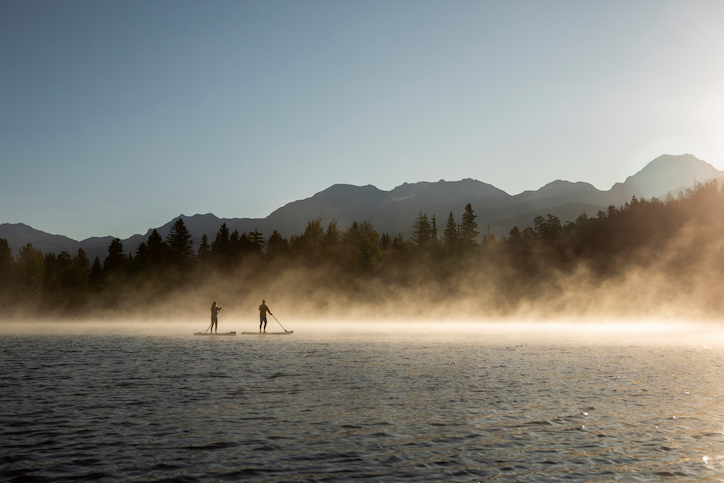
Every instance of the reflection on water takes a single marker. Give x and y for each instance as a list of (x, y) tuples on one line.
[(374, 403)]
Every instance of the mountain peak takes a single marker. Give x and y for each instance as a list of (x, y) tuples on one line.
[(557, 184), (670, 171)]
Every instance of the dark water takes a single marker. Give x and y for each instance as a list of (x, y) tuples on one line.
[(320, 406)]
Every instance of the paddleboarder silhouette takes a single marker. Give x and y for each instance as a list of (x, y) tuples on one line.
[(214, 320), (263, 309)]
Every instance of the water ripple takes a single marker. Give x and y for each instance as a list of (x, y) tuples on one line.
[(176, 409)]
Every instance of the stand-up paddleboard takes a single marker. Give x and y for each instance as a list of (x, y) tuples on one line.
[(268, 333), (209, 333)]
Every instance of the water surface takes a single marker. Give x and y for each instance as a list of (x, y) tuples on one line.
[(476, 402)]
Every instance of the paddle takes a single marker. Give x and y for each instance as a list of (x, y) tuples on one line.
[(285, 330), (207, 329)]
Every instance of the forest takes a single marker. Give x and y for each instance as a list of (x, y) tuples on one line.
[(646, 257)]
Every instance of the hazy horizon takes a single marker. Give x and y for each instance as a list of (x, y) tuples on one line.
[(223, 219), (118, 117)]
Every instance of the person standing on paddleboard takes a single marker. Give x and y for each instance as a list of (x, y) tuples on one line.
[(263, 309), (214, 320)]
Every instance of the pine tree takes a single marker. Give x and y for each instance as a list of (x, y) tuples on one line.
[(450, 235), (29, 273), (332, 235), (276, 245), (421, 232), (369, 246), (385, 242), (115, 261), (7, 266), (468, 227), (80, 271), (244, 245), (312, 236), (157, 249), (257, 242), (236, 247), (180, 244), (221, 247), (401, 248), (95, 278), (548, 228), (203, 255)]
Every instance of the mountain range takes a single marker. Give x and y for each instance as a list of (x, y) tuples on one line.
[(395, 211)]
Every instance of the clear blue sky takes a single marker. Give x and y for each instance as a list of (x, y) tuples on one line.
[(117, 116)]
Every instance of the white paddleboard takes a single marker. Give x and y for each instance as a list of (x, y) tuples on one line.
[(268, 333), (209, 333)]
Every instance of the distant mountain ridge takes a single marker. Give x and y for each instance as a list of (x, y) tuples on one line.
[(395, 211)]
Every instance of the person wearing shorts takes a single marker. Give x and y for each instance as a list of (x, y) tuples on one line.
[(263, 309)]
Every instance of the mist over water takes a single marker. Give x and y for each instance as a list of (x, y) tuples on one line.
[(367, 400)]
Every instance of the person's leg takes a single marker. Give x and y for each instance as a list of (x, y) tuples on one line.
[(261, 320)]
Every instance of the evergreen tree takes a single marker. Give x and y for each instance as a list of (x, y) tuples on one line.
[(246, 247), (80, 271), (468, 227), (53, 266), (142, 259), (362, 245), (515, 239), (115, 261), (421, 232), (450, 235), (433, 230), (157, 249), (295, 244), (256, 242), (312, 237), (548, 228), (401, 250), (7, 267), (385, 242), (370, 246), (332, 235), (309, 244), (203, 255), (352, 236), (276, 245), (582, 220), (65, 279), (236, 246), (95, 278), (399, 243), (180, 245), (29, 273), (221, 247)]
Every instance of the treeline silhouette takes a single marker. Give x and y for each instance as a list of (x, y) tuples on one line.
[(681, 236)]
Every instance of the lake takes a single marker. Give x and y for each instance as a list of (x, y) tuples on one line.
[(366, 402)]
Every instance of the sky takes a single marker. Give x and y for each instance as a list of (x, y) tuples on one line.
[(116, 117)]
